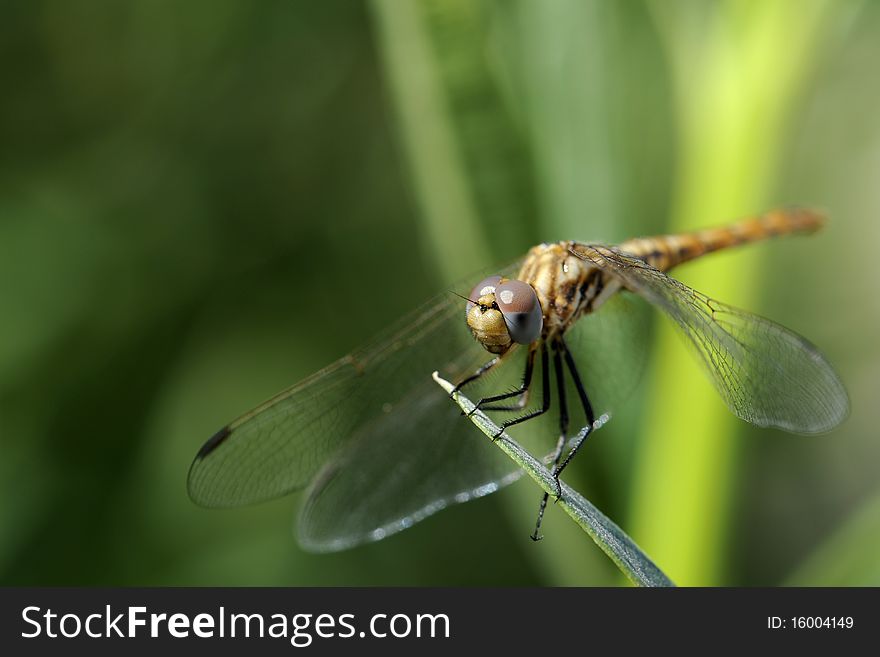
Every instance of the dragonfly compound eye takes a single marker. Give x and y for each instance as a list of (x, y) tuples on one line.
[(521, 309)]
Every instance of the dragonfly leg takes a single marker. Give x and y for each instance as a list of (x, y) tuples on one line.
[(545, 404), (476, 375), (588, 412), (522, 390), (518, 406), (563, 430)]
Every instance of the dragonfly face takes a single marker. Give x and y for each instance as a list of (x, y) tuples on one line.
[(504, 312), (379, 446)]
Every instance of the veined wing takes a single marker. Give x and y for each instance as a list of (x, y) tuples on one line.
[(435, 461), (609, 346), (379, 444), (399, 468), (766, 374)]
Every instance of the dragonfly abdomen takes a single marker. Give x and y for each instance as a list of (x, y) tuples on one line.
[(666, 251)]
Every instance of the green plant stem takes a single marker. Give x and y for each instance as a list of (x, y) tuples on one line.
[(621, 549), (448, 214), (738, 68)]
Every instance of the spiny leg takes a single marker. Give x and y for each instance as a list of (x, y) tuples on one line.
[(588, 412), (476, 375), (522, 390), (545, 402), (517, 406), (582, 393), (563, 430)]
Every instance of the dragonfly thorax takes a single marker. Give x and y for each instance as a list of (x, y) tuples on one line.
[(565, 285)]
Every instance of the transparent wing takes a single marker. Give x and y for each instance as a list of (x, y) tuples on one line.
[(438, 459), (610, 349), (378, 442), (430, 457), (766, 374)]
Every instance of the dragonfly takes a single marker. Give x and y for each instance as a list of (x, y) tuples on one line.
[(378, 446)]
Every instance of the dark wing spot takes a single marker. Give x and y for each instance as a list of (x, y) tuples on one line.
[(213, 442)]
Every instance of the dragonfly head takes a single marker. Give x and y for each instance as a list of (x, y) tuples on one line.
[(501, 312)]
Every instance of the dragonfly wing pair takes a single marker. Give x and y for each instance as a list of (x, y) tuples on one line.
[(766, 374), (378, 444)]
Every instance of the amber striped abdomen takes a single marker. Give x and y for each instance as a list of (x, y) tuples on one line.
[(666, 251)]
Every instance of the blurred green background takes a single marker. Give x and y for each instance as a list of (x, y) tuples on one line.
[(189, 190)]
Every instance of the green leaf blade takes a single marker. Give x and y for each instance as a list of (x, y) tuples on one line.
[(612, 540)]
